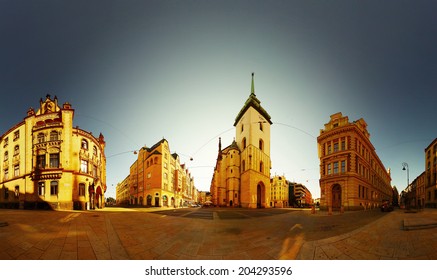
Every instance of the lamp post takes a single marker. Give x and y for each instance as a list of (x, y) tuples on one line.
[(407, 194)]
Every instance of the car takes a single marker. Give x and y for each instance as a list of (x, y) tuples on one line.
[(386, 206)]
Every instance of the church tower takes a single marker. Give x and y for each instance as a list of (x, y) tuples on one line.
[(252, 126)]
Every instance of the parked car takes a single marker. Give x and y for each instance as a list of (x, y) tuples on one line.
[(386, 206)]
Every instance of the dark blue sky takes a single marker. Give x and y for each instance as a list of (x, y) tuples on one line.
[(138, 71)]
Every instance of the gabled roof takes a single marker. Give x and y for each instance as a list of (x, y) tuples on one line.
[(253, 102)]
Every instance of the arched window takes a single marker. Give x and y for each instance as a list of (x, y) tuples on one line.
[(244, 143), (261, 126), (94, 150), (261, 144), (41, 137), (156, 160), (243, 165), (261, 167), (84, 144)]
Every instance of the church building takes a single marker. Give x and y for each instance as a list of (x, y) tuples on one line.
[(242, 172)]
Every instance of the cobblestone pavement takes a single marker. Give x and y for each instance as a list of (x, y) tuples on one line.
[(214, 234)]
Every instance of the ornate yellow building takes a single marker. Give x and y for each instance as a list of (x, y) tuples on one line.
[(279, 192), (351, 174), (157, 178), (47, 163), (242, 173)]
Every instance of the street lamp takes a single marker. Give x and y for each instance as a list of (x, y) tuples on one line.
[(407, 193), (405, 165)]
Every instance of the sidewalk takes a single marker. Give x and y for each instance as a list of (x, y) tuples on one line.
[(398, 236), (215, 234)]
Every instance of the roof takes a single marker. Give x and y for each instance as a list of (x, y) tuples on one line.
[(253, 102)]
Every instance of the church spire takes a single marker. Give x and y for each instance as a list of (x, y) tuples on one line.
[(252, 90)]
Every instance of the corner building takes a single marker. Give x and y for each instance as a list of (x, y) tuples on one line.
[(242, 173), (157, 178), (49, 164), (352, 177)]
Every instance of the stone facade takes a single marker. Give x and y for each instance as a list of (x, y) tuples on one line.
[(352, 177), (242, 172), (48, 163)]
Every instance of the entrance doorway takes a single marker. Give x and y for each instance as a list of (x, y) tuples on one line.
[(336, 196), (260, 195)]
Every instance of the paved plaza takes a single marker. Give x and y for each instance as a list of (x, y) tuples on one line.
[(216, 234)]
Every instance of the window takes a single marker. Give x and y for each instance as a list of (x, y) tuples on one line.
[(84, 166), (261, 126), (6, 142), (53, 188), (54, 136), (95, 151), (16, 135), (261, 167), (41, 188), (242, 127), (41, 138), (343, 166), (261, 144), (329, 148), (244, 143), (41, 161), (243, 165), (329, 169), (81, 189), (54, 160), (17, 191), (94, 171), (343, 145), (84, 144), (6, 174), (16, 170), (6, 156), (335, 167), (336, 147), (16, 150)]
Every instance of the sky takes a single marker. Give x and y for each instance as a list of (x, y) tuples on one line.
[(139, 71)]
